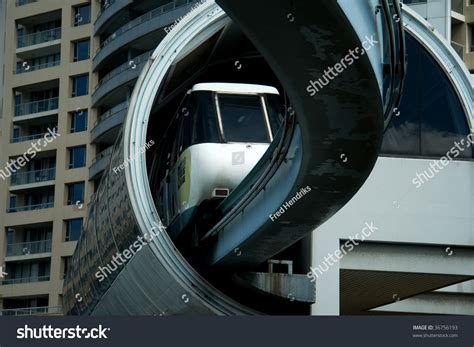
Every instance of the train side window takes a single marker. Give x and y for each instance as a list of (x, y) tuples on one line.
[(204, 127), (243, 118), (275, 112), (187, 111)]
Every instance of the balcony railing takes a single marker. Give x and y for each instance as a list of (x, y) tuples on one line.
[(132, 64), (459, 48), (24, 2), (25, 280), (30, 207), (19, 178), (114, 110), (36, 107), (39, 37), (145, 18), (28, 138), (103, 154), (27, 68), (458, 6), (32, 311), (27, 248)]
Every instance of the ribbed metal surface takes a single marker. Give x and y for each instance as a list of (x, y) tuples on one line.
[(363, 290)]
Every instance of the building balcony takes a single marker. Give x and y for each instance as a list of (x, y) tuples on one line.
[(28, 138), (30, 207), (37, 107), (39, 38), (24, 2), (108, 11), (100, 162), (123, 74), (27, 248), (33, 279), (30, 177), (29, 68), (459, 48), (33, 311), (141, 26), (108, 121)]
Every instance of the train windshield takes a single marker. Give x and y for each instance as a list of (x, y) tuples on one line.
[(243, 118)]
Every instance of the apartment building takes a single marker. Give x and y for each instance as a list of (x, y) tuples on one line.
[(454, 19), (44, 184), (70, 68)]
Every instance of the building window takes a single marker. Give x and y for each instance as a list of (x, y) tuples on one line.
[(73, 229), (82, 50), (75, 193), (77, 157), (79, 121), (80, 85), (66, 263), (82, 15), (472, 36), (12, 203)]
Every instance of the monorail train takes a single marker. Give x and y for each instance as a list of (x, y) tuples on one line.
[(220, 132)]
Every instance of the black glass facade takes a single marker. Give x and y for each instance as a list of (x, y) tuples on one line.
[(431, 119)]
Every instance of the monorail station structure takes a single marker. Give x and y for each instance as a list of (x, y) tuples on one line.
[(358, 134)]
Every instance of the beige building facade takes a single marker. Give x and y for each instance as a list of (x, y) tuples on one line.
[(45, 151)]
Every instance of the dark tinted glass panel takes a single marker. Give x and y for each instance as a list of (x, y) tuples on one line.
[(431, 117), (75, 193), (81, 85), (243, 119), (77, 157), (82, 15), (205, 128), (73, 229), (79, 121), (82, 50), (275, 112)]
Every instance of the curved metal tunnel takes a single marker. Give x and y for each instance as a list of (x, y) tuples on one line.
[(331, 148)]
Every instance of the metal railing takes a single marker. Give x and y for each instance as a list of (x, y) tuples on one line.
[(457, 6), (27, 248), (36, 107), (28, 68), (25, 280), (28, 138), (32, 311), (459, 48), (19, 178), (39, 37), (131, 65), (103, 154), (24, 2), (30, 207), (113, 111), (145, 18)]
